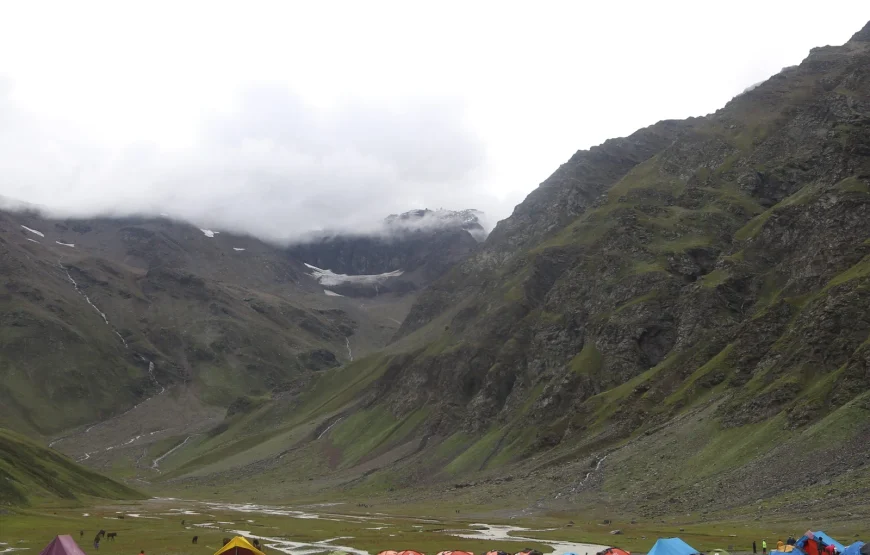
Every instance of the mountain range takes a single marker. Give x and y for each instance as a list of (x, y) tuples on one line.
[(673, 321)]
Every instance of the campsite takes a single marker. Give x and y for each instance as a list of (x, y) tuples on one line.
[(155, 527)]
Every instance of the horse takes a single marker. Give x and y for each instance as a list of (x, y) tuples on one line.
[(195, 538), (182, 522), (256, 543), (226, 541), (81, 533), (111, 536)]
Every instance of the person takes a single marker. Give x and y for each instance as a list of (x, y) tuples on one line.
[(791, 540), (830, 549), (763, 547), (780, 545), (97, 542), (754, 549)]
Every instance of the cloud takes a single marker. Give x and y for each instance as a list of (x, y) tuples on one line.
[(273, 165)]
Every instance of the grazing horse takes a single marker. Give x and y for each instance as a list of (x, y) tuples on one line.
[(111, 536), (81, 533), (182, 522), (195, 539)]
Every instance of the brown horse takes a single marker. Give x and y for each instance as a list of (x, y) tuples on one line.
[(111, 536), (195, 539)]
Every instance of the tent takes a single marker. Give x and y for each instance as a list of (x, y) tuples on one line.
[(828, 540), (239, 546), (410, 553), (62, 545), (672, 546), (496, 553), (388, 553), (455, 553), (612, 551), (854, 549)]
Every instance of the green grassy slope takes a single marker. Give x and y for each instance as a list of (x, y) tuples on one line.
[(30, 474)]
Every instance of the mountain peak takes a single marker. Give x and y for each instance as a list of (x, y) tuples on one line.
[(863, 35), (470, 220)]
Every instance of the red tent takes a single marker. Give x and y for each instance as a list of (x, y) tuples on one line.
[(613, 551), (62, 545)]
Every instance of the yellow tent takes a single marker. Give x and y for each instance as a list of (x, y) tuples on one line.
[(239, 546)]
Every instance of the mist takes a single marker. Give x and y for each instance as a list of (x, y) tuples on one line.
[(272, 166), (285, 119)]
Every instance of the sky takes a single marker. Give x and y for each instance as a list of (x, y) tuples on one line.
[(281, 118)]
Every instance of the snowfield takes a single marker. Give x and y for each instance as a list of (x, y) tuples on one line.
[(208, 232), (41, 234), (330, 278)]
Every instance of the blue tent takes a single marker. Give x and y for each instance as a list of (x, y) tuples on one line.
[(672, 546), (829, 540), (854, 549)]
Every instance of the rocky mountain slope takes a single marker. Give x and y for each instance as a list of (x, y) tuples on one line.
[(103, 315), (674, 321)]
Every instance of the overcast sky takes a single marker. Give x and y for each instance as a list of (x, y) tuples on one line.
[(276, 118)]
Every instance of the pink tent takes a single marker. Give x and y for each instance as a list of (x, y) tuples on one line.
[(62, 545)]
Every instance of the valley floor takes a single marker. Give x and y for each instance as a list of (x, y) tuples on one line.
[(168, 526)]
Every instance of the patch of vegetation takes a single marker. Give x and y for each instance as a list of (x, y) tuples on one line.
[(30, 473), (852, 185), (652, 295), (718, 364), (475, 457), (714, 278), (753, 227), (367, 430), (858, 271), (587, 361)]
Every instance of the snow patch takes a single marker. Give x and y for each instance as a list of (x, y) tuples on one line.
[(329, 293), (41, 234), (238, 249), (208, 232), (71, 245), (330, 278), (33, 240)]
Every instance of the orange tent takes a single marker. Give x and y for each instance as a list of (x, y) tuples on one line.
[(388, 553), (613, 551), (455, 553), (410, 553)]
